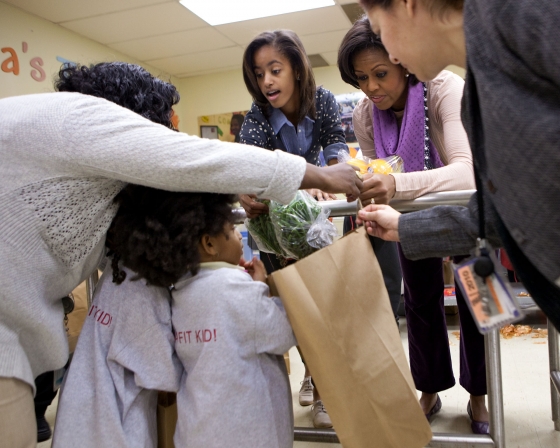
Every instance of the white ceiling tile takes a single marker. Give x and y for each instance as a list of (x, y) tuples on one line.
[(137, 23), (330, 57), (323, 42), (174, 44), (64, 10), (313, 21), (224, 58)]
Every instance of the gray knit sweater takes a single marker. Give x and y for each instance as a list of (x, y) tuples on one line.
[(63, 158)]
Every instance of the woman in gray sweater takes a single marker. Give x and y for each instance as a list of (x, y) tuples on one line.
[(65, 156)]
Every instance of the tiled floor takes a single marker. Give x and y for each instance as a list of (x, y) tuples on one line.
[(526, 389)]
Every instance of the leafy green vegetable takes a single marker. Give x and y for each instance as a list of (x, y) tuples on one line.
[(262, 230), (292, 222)]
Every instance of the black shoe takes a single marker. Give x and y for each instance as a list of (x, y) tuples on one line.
[(43, 429)]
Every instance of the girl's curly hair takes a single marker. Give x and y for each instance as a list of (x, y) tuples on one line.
[(156, 233), (127, 85)]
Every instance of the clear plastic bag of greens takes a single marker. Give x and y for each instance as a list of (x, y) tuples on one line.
[(292, 223), (263, 232)]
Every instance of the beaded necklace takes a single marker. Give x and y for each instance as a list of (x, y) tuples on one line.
[(427, 161)]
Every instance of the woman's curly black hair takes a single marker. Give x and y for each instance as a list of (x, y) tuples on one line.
[(127, 85), (156, 233)]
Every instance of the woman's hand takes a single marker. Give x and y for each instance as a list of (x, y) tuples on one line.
[(379, 187), (381, 221), (321, 195), (255, 268), (339, 178), (252, 207)]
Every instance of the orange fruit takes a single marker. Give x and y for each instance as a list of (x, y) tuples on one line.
[(358, 163), (380, 166)]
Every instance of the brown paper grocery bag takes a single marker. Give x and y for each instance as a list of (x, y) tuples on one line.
[(166, 419), (448, 276), (339, 309)]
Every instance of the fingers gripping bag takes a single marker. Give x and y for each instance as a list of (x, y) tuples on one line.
[(263, 232), (293, 222), (387, 165)]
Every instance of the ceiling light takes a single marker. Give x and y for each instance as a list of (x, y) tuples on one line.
[(218, 12)]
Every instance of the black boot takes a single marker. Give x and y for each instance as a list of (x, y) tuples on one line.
[(43, 429), (43, 398)]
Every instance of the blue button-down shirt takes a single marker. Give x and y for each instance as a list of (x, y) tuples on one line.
[(297, 141), (276, 132)]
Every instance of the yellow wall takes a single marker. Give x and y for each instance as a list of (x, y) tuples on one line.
[(226, 92), (210, 95), (47, 41)]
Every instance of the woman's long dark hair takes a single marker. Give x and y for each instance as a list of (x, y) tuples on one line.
[(127, 85), (289, 45)]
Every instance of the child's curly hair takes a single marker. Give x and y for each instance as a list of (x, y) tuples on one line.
[(156, 233)]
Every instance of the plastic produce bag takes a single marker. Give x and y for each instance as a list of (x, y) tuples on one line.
[(263, 232), (293, 221), (322, 232), (387, 165)]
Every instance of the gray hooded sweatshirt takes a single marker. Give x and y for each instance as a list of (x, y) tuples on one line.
[(230, 336)]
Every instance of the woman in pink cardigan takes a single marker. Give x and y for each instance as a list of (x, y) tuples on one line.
[(421, 123)]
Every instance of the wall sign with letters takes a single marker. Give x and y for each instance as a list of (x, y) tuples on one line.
[(13, 63)]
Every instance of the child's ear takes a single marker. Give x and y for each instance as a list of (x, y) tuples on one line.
[(208, 245)]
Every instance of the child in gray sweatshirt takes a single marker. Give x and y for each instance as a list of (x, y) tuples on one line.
[(125, 353), (230, 336)]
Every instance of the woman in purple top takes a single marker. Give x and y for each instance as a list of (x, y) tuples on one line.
[(405, 125)]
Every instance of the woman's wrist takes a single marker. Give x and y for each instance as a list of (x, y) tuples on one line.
[(314, 177), (393, 187)]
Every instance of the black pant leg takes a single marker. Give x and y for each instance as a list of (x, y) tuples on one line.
[(45, 393)]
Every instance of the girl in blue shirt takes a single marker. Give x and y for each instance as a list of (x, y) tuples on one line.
[(291, 114)]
